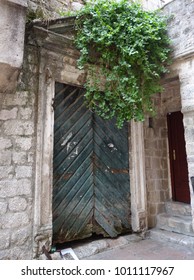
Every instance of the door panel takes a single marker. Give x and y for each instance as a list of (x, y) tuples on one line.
[(111, 177), (90, 171), (178, 158)]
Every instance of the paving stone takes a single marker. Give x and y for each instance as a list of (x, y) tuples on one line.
[(92, 248), (146, 249)]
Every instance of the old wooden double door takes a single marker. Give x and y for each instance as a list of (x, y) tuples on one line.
[(91, 192)]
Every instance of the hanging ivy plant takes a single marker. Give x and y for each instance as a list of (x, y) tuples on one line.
[(125, 50)]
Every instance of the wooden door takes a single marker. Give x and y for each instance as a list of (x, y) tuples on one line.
[(178, 159), (90, 171)]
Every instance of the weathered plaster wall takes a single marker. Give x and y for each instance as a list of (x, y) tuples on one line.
[(12, 26)]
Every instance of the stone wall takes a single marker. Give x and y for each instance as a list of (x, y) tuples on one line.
[(17, 148), (181, 26), (156, 150), (177, 96), (181, 32)]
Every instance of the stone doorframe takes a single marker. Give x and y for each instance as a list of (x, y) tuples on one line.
[(61, 68)]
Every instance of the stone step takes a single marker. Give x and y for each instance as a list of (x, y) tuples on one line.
[(166, 236), (177, 208), (170, 223)]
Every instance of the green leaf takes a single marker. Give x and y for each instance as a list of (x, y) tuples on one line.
[(125, 49)]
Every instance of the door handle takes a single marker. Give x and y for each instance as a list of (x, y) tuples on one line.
[(174, 154)]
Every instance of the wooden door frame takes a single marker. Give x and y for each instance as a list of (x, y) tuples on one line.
[(52, 67), (170, 161)]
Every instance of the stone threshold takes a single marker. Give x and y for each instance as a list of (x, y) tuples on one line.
[(84, 250)]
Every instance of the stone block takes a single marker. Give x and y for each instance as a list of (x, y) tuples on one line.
[(162, 196), (3, 207), (178, 208), (158, 184), (30, 157), (12, 188), (165, 174), (16, 127), (17, 204), (190, 159), (4, 240), (23, 171), (190, 149), (6, 172), (14, 220), (189, 134), (160, 207), (177, 224), (25, 113), (5, 158), (163, 163), (23, 143), (152, 209), (22, 252), (76, 6), (20, 236), (8, 114), (155, 163), (186, 104), (19, 98), (187, 92), (154, 196), (5, 143), (19, 157), (188, 121), (151, 221), (148, 162), (70, 61)]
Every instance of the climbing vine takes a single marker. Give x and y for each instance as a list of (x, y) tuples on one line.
[(125, 50)]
